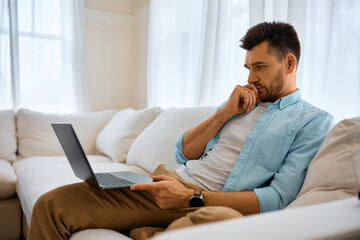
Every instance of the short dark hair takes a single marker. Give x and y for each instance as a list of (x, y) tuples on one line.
[(281, 37)]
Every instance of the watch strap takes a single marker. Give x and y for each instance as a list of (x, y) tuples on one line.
[(197, 193)]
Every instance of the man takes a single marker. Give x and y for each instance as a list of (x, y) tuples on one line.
[(251, 156)]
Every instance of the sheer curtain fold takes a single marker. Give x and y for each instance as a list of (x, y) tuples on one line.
[(198, 62), (329, 76), (176, 36), (74, 32), (14, 50), (8, 67), (42, 56)]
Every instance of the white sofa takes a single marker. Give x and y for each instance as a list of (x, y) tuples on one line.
[(32, 163)]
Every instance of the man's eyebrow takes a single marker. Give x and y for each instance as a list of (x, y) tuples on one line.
[(254, 64), (258, 63)]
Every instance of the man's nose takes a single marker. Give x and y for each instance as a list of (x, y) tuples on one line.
[(252, 77)]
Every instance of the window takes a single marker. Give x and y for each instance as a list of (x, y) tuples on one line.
[(36, 56)]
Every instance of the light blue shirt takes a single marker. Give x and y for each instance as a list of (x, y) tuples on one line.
[(277, 151)]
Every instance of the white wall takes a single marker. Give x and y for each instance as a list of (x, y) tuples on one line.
[(116, 38)]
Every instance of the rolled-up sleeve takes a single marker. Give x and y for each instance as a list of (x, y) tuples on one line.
[(178, 152), (288, 180)]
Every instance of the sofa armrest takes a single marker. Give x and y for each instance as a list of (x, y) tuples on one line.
[(98, 234), (333, 220), (7, 179)]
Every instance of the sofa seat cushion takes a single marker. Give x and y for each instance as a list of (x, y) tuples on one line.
[(37, 138), (7, 179), (38, 175), (334, 173), (8, 143)]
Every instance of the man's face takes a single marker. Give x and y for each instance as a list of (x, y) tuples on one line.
[(266, 73)]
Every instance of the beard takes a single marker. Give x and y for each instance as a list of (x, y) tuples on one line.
[(271, 92)]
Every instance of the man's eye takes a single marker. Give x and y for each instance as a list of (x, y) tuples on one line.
[(259, 66)]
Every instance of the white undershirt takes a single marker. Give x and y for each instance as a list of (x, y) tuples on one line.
[(212, 171)]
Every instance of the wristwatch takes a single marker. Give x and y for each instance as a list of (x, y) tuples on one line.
[(197, 199)]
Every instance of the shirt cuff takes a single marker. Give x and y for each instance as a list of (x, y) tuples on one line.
[(179, 155), (268, 199)]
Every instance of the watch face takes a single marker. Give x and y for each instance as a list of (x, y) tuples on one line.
[(196, 201)]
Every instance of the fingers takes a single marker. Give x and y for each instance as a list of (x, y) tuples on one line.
[(255, 90), (252, 87), (157, 184), (141, 186), (242, 98), (147, 186), (249, 99), (163, 178), (167, 192)]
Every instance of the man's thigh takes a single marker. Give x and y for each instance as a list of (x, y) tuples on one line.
[(80, 206)]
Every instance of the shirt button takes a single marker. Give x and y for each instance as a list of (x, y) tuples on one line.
[(281, 107)]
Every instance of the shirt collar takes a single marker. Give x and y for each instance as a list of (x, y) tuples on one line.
[(287, 100)]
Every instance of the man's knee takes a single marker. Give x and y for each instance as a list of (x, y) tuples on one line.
[(205, 215), (55, 198), (213, 214)]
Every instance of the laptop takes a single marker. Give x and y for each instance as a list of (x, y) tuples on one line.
[(81, 166)]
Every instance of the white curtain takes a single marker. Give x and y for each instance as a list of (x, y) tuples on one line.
[(193, 53), (329, 75), (42, 55), (194, 56)]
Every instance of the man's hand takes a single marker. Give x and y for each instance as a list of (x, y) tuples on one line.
[(167, 192), (243, 98)]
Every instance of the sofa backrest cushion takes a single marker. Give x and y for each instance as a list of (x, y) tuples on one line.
[(37, 138), (334, 173), (8, 144), (156, 144), (116, 138)]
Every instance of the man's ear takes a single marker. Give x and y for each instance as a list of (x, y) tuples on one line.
[(290, 62)]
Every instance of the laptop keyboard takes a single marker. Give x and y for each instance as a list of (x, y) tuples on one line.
[(108, 180)]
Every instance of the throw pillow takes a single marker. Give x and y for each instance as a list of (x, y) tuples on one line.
[(334, 173), (37, 138), (118, 135)]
